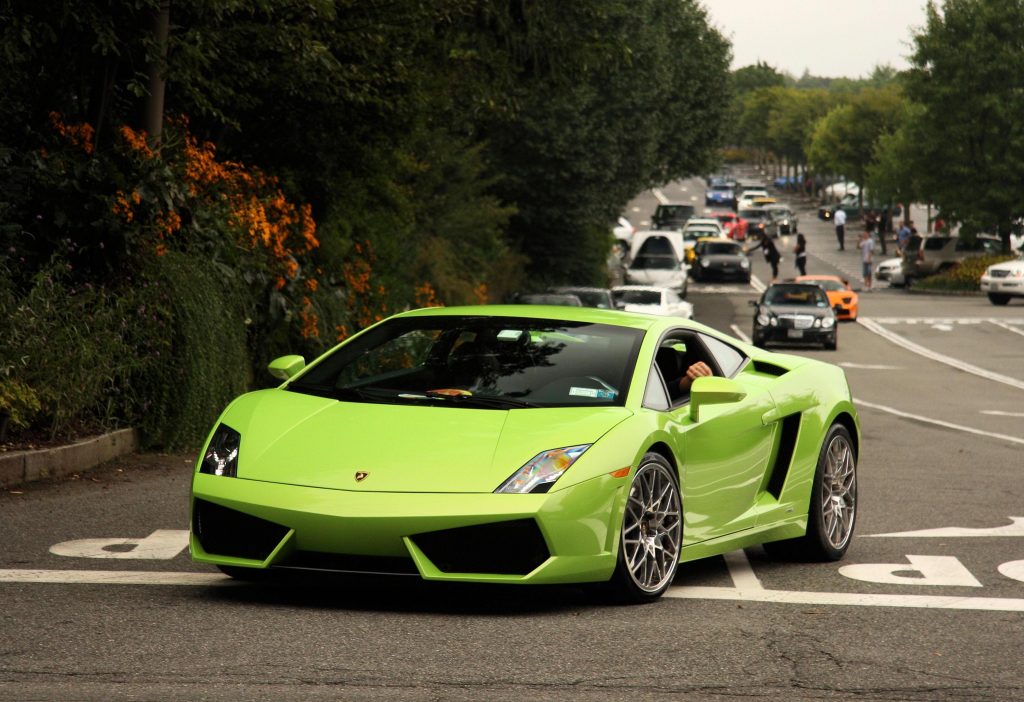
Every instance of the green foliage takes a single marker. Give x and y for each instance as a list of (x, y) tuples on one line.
[(963, 276), (968, 76), (192, 335), (19, 402)]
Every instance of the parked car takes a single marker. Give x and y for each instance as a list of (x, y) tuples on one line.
[(622, 233), (851, 205), (720, 258), (559, 299), (589, 297), (1002, 281), (791, 313), (657, 259), (891, 270), (652, 300), (705, 223), (840, 295), (672, 215), (535, 446), (735, 226), (784, 219), (720, 194), (928, 255)]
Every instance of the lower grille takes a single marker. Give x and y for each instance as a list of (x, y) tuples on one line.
[(502, 548), (1000, 274), (346, 563), (223, 531)]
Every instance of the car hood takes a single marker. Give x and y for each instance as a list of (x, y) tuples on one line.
[(655, 276), (305, 440)]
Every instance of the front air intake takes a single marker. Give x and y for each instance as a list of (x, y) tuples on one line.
[(501, 548), (223, 531)]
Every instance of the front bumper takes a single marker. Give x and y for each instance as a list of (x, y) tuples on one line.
[(782, 335), (563, 536), (1002, 286)]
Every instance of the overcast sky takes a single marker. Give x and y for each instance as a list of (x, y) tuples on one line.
[(829, 38)]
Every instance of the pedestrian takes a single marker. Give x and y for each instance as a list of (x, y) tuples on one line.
[(903, 236), (801, 254), (867, 246), (771, 254), (840, 222)]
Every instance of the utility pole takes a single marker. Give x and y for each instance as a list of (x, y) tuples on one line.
[(154, 115)]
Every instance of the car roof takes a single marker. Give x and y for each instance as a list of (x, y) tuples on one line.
[(554, 312), (801, 278)]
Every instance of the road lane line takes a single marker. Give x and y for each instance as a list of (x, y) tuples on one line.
[(739, 334), (757, 285), (743, 576), (895, 338), (112, 577), (850, 599), (1004, 325), (1000, 413), (660, 195), (938, 422)]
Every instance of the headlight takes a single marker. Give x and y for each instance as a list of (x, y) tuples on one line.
[(1019, 273), (542, 470), (221, 457), (704, 263), (744, 263), (828, 322)]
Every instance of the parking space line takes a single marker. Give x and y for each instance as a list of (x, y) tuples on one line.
[(895, 338), (851, 599), (743, 576), (660, 196), (112, 577), (938, 422), (1004, 325)]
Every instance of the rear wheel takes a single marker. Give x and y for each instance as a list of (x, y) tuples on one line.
[(998, 299), (651, 535), (833, 509)]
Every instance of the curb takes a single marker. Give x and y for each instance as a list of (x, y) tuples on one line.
[(20, 467)]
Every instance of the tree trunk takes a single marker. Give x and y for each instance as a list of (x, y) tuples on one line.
[(154, 116)]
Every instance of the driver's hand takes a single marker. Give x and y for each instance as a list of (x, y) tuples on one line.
[(698, 370)]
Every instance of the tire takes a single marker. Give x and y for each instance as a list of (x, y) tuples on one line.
[(832, 513), (757, 341), (832, 344), (651, 534), (998, 299)]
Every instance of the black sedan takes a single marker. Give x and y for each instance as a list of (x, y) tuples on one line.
[(721, 259), (794, 313)]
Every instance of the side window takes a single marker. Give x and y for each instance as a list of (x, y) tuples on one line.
[(729, 359), (655, 395)]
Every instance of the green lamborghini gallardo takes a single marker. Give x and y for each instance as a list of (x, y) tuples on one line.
[(529, 444)]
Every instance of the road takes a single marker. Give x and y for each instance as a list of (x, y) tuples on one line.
[(101, 602)]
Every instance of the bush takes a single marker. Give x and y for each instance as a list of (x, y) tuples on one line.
[(963, 277)]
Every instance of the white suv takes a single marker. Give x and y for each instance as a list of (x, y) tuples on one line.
[(1003, 281)]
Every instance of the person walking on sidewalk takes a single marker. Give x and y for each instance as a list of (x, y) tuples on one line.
[(801, 254), (867, 246), (840, 222)]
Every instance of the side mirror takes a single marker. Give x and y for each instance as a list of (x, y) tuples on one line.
[(286, 367), (752, 303), (713, 391)]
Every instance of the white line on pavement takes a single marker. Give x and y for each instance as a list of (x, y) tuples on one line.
[(112, 577), (938, 422), (739, 334), (756, 284), (869, 366), (992, 604), (660, 195), (895, 338), (1007, 327), (1001, 413), (743, 576)]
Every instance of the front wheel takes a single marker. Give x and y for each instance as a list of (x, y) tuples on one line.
[(651, 535), (998, 299), (833, 509)]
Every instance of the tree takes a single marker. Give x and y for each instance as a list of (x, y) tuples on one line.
[(968, 75)]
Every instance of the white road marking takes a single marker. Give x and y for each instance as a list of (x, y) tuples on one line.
[(933, 571), (757, 285), (1000, 413), (743, 576), (739, 334), (849, 599), (162, 544), (693, 198), (1014, 570), (660, 195), (943, 327), (112, 577), (938, 422), (636, 209), (1004, 325), (869, 366), (1008, 321), (895, 338), (1014, 528)]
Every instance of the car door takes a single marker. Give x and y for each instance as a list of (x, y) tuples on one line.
[(724, 455)]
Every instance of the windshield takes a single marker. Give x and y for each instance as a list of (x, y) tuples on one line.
[(754, 214), (810, 296), (833, 285), (480, 362), (675, 211), (660, 262), (638, 297)]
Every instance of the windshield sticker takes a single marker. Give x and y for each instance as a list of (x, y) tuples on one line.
[(510, 334), (593, 392)]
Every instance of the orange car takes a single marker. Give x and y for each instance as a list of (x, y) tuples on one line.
[(838, 291)]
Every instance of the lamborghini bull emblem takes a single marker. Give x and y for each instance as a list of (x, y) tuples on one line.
[(361, 475)]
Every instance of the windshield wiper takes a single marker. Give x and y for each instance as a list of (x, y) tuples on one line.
[(489, 401)]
